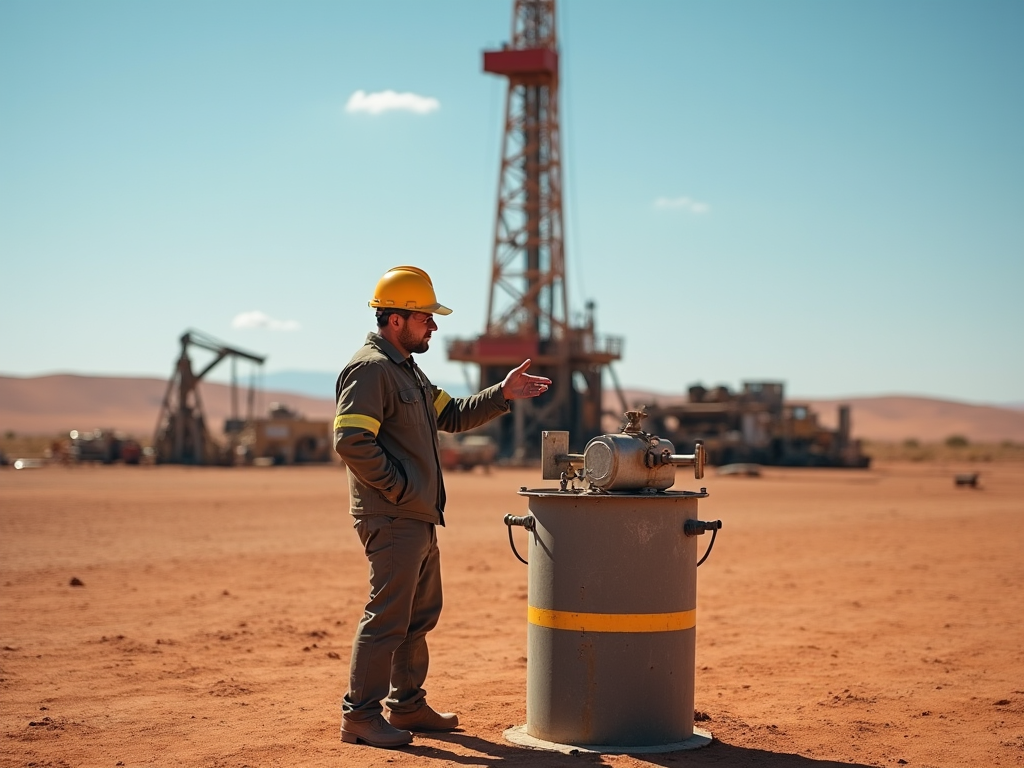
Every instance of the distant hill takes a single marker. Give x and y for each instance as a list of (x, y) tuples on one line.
[(55, 404), (48, 405), (926, 419)]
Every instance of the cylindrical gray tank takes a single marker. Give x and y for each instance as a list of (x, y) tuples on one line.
[(612, 618)]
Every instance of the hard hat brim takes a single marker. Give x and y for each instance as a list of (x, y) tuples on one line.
[(432, 309)]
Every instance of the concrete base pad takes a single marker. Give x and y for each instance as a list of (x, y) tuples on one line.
[(518, 735)]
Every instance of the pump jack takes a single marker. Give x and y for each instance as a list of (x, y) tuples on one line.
[(181, 434)]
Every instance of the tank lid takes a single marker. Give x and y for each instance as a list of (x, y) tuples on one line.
[(701, 494)]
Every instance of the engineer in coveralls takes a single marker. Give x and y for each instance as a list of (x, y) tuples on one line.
[(386, 433)]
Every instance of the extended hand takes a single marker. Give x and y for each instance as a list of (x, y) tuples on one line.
[(518, 384)]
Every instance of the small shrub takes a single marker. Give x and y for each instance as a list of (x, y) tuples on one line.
[(911, 442), (956, 441)]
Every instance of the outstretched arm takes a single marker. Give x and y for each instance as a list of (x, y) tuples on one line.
[(519, 385), (457, 414)]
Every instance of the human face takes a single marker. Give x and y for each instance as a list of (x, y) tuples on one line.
[(414, 334)]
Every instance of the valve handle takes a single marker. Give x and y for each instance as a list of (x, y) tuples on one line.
[(697, 460)]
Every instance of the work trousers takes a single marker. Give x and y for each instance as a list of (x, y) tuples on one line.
[(389, 654)]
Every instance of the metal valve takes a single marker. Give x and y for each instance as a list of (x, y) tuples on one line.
[(697, 459), (630, 460), (555, 457)]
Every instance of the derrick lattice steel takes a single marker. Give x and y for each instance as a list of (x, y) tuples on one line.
[(528, 312)]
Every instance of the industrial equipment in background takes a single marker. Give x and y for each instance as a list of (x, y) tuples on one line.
[(966, 479), (528, 312), (467, 451), (105, 446), (612, 596), (757, 426), (284, 437), (182, 435)]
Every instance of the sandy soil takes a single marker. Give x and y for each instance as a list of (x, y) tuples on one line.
[(845, 618)]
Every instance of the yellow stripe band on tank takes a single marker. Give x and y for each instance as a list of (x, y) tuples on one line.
[(358, 421), (612, 622), (442, 399)]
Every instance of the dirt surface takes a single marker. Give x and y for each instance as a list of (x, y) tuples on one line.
[(844, 618)]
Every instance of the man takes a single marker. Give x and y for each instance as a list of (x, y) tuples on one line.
[(386, 432)]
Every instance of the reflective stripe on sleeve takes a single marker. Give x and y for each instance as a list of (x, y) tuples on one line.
[(357, 420), (442, 399)]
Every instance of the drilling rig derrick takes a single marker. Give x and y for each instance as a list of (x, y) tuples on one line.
[(527, 312)]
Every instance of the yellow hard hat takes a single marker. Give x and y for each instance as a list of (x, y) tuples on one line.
[(407, 288)]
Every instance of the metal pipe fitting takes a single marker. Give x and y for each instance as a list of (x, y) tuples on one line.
[(698, 527), (526, 521)]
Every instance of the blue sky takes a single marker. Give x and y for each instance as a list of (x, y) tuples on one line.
[(826, 193)]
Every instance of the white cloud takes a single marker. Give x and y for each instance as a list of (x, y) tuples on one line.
[(257, 319), (386, 101), (695, 207)]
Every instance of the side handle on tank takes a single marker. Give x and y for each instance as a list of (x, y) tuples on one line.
[(527, 522), (697, 528)]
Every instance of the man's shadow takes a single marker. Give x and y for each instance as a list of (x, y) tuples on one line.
[(715, 755)]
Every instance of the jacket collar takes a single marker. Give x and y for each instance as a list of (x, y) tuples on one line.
[(385, 346)]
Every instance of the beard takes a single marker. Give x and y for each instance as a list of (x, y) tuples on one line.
[(410, 341)]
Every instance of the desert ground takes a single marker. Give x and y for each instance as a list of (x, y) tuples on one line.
[(845, 618)]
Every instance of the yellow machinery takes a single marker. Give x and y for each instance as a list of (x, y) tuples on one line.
[(285, 437), (182, 436), (757, 425)]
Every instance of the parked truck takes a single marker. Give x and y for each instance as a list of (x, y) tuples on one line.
[(283, 437)]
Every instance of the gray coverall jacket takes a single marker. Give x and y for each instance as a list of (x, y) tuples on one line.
[(386, 428), (386, 432)]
